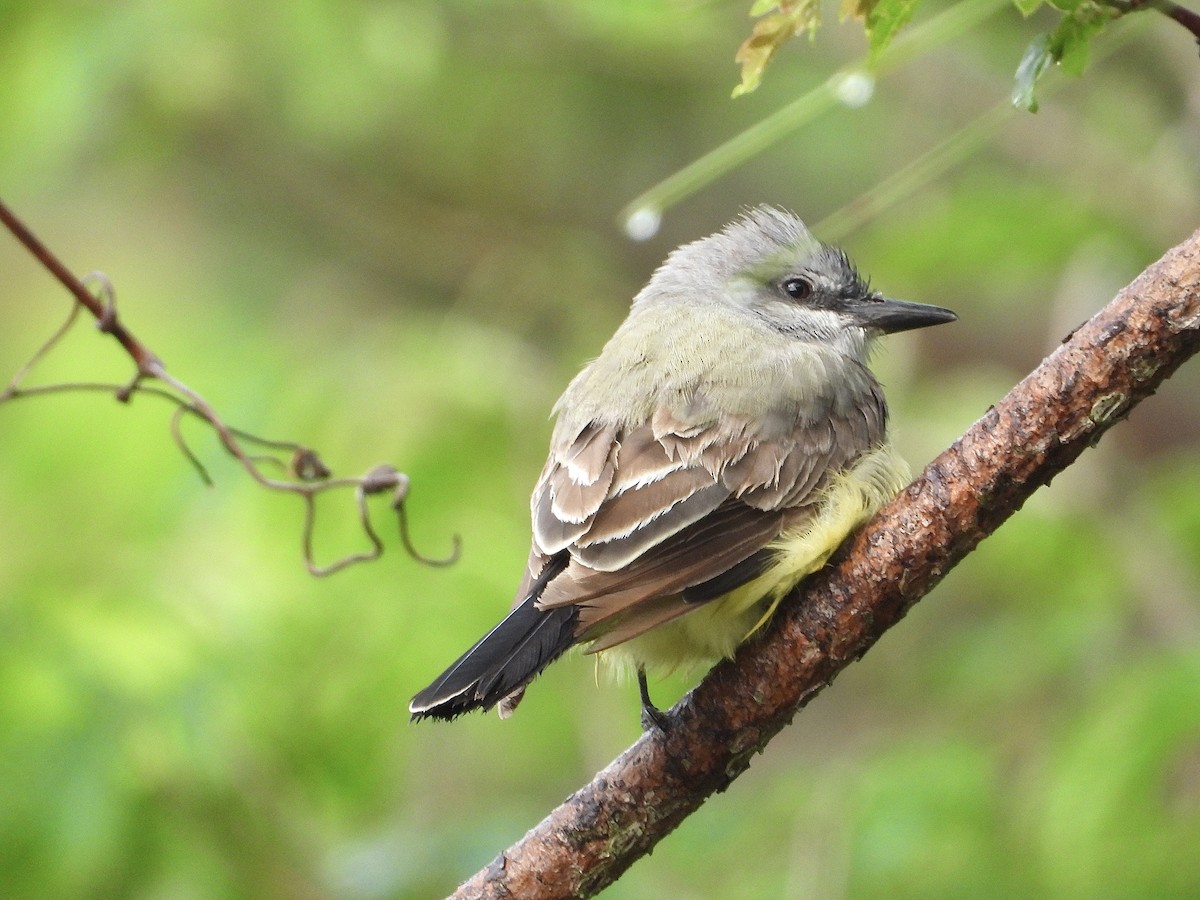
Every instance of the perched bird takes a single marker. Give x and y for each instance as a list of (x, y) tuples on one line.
[(721, 447)]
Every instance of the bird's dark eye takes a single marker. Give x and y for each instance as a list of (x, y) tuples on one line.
[(797, 288)]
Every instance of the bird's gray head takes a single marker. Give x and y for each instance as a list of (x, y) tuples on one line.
[(768, 264)]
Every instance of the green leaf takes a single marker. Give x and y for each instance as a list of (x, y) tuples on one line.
[(1038, 57), (770, 33), (1072, 38), (856, 9), (1068, 45), (885, 19), (1027, 7)]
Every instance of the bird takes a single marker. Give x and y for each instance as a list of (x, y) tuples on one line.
[(724, 443)]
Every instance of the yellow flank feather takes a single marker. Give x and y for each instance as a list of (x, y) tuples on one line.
[(715, 629)]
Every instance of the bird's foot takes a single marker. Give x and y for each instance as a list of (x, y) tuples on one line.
[(653, 718)]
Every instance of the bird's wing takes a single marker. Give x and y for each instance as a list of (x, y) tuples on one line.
[(651, 511)]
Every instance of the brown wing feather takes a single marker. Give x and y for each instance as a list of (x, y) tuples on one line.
[(694, 555), (584, 474), (681, 505), (631, 511)]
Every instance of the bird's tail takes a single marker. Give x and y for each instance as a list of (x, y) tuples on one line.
[(505, 659)]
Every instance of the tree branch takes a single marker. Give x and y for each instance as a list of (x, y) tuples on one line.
[(147, 363), (1182, 15), (1090, 382)]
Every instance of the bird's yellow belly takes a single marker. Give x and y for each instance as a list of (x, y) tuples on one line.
[(715, 629)]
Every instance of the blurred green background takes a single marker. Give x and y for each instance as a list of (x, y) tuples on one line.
[(389, 230)]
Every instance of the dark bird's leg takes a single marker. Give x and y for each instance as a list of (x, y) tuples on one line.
[(652, 716)]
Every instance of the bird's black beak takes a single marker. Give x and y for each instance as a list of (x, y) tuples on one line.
[(890, 316)]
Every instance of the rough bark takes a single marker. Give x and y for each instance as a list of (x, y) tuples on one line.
[(1093, 380)]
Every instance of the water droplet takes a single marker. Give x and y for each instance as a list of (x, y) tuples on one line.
[(642, 224), (855, 89)]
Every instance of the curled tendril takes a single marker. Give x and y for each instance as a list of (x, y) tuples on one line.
[(101, 287), (410, 548), (184, 448), (308, 474), (14, 385)]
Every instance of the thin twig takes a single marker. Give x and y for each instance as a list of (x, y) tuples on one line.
[(1185, 17), (147, 362), (1170, 9), (311, 475)]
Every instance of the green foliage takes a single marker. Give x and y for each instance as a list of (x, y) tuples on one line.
[(786, 19), (1037, 59), (883, 20), (1066, 46), (779, 22)]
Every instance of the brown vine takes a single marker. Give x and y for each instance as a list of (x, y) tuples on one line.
[(308, 476)]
